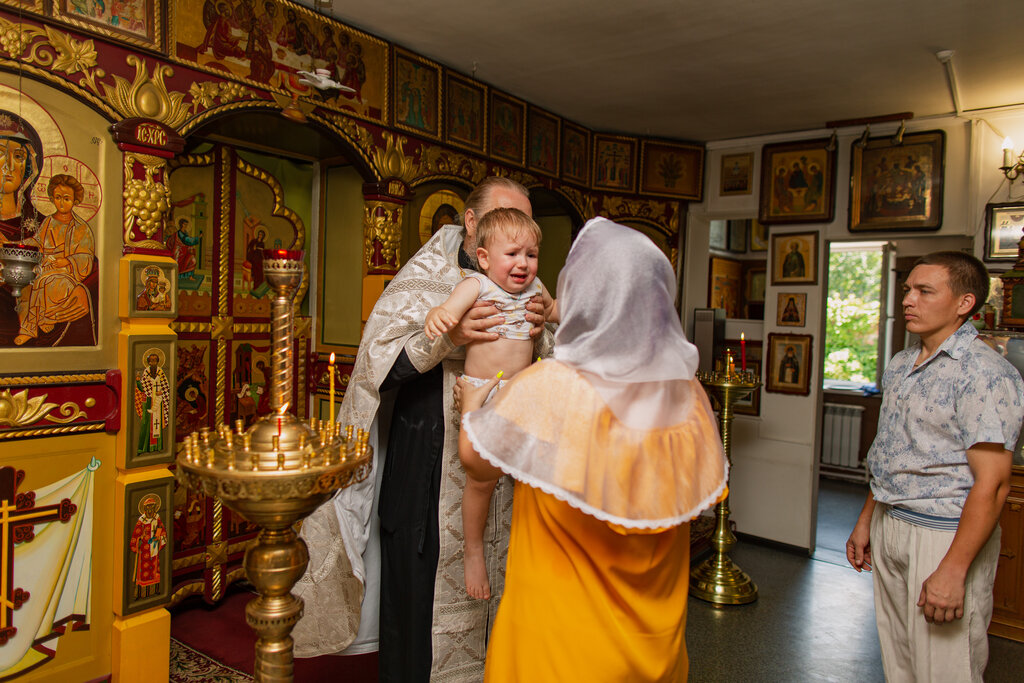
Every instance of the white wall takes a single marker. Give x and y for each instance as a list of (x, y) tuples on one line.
[(774, 476)]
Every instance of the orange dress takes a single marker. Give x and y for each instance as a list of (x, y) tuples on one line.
[(586, 600), (597, 573)]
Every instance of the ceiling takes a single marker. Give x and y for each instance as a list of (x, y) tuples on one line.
[(712, 70)]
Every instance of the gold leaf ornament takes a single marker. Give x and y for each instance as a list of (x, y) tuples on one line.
[(72, 55), (18, 410), (14, 39), (147, 98)]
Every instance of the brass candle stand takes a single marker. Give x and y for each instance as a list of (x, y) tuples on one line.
[(717, 579), (274, 474)]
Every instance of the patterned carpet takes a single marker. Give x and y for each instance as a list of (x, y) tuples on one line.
[(192, 666)]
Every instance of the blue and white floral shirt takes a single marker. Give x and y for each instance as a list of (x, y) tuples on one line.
[(963, 394)]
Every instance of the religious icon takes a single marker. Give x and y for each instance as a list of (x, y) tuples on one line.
[(737, 174), (789, 358), (152, 402), (897, 186), (508, 127), (798, 182), (21, 158), (465, 112), (543, 141), (147, 540), (670, 169), (792, 309), (126, 20), (59, 295), (724, 287), (575, 153), (417, 94), (789, 366), (182, 245), (441, 208), (252, 268), (614, 163), (250, 382), (148, 537), (192, 389), (794, 258), (155, 294)]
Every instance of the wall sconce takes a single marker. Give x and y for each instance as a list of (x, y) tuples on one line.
[(1011, 167), (832, 141), (863, 141), (898, 138)]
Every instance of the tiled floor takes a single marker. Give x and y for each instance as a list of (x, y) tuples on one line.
[(814, 619)]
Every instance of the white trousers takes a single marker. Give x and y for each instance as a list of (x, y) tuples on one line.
[(904, 555)]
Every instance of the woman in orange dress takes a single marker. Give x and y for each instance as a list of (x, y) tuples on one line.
[(614, 449)]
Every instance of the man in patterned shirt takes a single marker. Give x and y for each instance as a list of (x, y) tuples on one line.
[(940, 471)]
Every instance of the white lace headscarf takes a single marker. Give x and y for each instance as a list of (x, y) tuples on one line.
[(619, 326)]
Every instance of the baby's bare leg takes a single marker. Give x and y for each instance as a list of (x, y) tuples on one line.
[(476, 499)]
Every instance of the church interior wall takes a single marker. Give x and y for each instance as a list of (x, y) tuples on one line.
[(341, 247), (775, 455)]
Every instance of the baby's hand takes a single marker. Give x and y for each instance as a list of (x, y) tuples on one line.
[(439, 321)]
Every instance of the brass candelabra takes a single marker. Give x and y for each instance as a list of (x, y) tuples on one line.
[(718, 580), (274, 474)]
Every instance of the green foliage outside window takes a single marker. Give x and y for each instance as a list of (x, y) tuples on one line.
[(852, 312)]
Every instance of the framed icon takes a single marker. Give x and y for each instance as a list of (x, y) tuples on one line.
[(1004, 228), (789, 364), (792, 309), (897, 186), (798, 182), (737, 175), (794, 258)]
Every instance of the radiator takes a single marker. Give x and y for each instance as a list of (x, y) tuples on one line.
[(840, 440)]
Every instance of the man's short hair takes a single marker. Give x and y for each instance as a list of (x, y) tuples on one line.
[(481, 194), (967, 275), (505, 221)]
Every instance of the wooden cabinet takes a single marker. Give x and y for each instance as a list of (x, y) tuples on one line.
[(1008, 592)]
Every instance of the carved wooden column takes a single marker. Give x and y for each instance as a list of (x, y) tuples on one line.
[(147, 357), (383, 218)]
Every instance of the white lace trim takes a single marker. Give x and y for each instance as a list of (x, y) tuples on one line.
[(574, 500)]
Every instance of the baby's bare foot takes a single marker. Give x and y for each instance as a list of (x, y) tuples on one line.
[(477, 584)]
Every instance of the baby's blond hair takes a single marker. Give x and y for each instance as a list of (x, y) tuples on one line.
[(506, 221)]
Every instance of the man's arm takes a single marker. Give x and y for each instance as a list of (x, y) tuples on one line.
[(858, 546), (550, 306), (942, 593), (425, 354)]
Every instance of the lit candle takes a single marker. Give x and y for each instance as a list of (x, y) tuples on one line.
[(330, 371), (1007, 152), (743, 352), (730, 363)]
